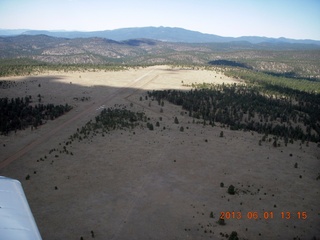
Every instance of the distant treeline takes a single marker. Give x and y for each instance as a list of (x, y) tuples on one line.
[(273, 81), (21, 67)]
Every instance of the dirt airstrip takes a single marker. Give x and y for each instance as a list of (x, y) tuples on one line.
[(160, 184)]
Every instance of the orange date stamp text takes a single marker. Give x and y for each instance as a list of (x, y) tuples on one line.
[(263, 215)]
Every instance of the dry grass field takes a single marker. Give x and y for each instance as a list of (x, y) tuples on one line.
[(160, 184)]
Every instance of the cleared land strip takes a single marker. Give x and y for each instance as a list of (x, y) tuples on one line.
[(126, 89), (141, 105)]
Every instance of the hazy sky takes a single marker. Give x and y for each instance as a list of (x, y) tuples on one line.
[(299, 19)]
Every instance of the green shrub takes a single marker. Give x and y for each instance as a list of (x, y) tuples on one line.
[(150, 126), (176, 121), (233, 236), (231, 190), (221, 221)]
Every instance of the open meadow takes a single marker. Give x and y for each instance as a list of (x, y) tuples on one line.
[(168, 181)]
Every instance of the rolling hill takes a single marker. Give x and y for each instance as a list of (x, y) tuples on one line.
[(296, 59)]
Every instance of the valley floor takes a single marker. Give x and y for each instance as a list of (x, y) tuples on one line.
[(160, 184)]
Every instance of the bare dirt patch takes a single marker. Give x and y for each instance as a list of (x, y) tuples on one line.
[(160, 184)]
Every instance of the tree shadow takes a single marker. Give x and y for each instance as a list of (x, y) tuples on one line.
[(292, 74), (60, 90), (228, 63), (139, 42)]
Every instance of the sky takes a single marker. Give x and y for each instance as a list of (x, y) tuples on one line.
[(297, 19)]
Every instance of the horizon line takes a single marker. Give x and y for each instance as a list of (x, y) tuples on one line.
[(90, 31)]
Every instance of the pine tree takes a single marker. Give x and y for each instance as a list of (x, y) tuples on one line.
[(176, 121)]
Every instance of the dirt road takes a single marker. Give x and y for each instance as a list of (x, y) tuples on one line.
[(119, 92)]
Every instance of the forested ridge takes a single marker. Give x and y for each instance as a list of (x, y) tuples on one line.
[(291, 117), (275, 82)]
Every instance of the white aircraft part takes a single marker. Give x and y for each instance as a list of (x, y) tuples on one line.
[(16, 219)]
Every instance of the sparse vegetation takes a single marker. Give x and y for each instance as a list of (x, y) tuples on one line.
[(27, 66), (105, 153)]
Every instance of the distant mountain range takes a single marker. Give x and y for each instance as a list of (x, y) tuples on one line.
[(165, 34), (298, 59)]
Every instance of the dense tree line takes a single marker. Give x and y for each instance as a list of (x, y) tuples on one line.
[(18, 113), (7, 84), (115, 118), (245, 107), (109, 119)]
